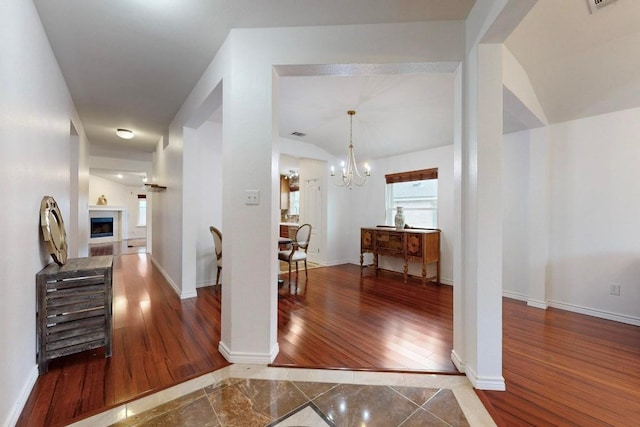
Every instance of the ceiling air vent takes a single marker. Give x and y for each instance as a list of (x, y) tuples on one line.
[(596, 5), (298, 134)]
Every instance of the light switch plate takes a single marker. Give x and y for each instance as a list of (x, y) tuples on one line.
[(251, 197)]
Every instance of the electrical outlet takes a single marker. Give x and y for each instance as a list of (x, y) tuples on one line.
[(614, 290), (252, 197)]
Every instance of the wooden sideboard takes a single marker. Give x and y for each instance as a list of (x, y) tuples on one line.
[(410, 244), (74, 308)]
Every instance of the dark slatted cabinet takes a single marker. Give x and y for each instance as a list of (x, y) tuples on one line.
[(74, 308)]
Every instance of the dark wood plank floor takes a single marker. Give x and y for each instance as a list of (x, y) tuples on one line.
[(566, 369), (561, 368), (335, 319), (338, 319), (158, 341)]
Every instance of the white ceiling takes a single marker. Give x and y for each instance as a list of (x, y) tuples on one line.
[(395, 114), (581, 64), (132, 63), (128, 178)]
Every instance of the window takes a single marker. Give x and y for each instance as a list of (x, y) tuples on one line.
[(294, 203), (417, 193), (142, 210)]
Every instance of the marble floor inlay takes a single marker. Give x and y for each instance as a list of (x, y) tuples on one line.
[(260, 396)]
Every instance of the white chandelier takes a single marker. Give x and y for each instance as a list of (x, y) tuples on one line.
[(350, 173)]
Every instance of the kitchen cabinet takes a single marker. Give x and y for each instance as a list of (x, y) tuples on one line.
[(284, 193)]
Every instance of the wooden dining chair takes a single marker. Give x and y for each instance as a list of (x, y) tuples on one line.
[(298, 250), (217, 243)]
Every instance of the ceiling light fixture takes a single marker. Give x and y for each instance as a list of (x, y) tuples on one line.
[(350, 173), (124, 133)]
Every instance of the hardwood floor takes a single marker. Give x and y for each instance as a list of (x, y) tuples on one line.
[(336, 319), (561, 368), (566, 369), (158, 341)]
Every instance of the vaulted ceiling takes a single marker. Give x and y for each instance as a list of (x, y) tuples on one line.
[(581, 64), (132, 63)]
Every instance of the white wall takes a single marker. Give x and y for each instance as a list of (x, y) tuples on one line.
[(35, 115), (367, 206), (121, 196), (515, 279), (594, 211), (166, 211), (209, 157)]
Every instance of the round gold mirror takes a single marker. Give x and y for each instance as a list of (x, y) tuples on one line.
[(53, 231)]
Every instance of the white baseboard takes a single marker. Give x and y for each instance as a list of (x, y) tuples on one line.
[(616, 317), (12, 417), (622, 318), (514, 295), (485, 383), (205, 284), (457, 361), (536, 303), (248, 358), (340, 262), (187, 295)]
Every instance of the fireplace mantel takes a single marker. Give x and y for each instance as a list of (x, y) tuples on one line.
[(106, 208)]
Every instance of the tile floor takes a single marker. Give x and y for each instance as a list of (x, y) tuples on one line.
[(253, 395)]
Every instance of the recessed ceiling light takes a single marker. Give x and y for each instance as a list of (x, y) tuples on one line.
[(119, 176), (124, 133)]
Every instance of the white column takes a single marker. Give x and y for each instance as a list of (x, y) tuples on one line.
[(489, 226), (249, 245), (459, 167), (481, 153)]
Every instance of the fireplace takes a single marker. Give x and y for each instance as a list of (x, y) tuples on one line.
[(102, 227)]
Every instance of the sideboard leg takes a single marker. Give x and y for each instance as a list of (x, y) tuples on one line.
[(406, 270), (424, 274)]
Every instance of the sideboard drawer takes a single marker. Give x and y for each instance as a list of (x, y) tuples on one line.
[(389, 243)]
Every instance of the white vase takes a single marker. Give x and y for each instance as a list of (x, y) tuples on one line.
[(399, 219)]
